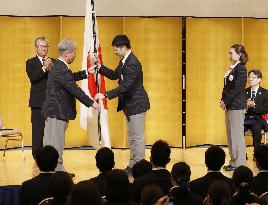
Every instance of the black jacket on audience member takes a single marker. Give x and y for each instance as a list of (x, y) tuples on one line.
[(100, 182), (201, 185), (260, 183)]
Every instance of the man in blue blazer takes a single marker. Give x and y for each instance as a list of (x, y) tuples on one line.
[(60, 106)]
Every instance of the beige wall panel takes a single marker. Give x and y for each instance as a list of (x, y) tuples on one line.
[(157, 43), (17, 45), (208, 42)]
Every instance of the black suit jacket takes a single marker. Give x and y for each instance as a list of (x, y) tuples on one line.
[(38, 80), (100, 182), (233, 94), (132, 97), (201, 185), (260, 183), (261, 106), (160, 177), (35, 190), (62, 91)]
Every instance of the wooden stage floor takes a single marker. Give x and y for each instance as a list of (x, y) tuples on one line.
[(15, 170)]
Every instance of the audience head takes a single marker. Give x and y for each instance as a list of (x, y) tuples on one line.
[(118, 187), (47, 158), (238, 53), (219, 193), (151, 194), (60, 184), (141, 168), (261, 157), (242, 179), (85, 193), (214, 158), (104, 159), (160, 154), (180, 174)]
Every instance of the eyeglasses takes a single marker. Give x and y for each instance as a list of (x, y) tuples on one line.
[(254, 77), (41, 46)]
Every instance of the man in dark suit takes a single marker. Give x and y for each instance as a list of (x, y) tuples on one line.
[(104, 162), (160, 157), (36, 189), (257, 105), (60, 106), (132, 97), (214, 159), (260, 182), (37, 69)]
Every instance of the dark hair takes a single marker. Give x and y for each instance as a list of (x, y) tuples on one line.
[(120, 41), (47, 158), (60, 184), (141, 168), (150, 194), (240, 49), (118, 186), (219, 193), (261, 156), (256, 72), (160, 153), (85, 193), (242, 179), (104, 159), (181, 172), (214, 158)]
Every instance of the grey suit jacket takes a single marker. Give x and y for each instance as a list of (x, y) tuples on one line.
[(132, 97), (62, 91)]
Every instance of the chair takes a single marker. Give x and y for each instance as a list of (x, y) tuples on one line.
[(10, 195), (248, 133), (45, 201), (11, 134), (264, 196)]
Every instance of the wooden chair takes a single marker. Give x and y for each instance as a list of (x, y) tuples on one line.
[(11, 134), (264, 135)]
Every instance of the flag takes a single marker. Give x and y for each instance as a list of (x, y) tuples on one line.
[(89, 116)]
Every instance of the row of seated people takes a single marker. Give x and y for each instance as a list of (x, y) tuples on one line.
[(153, 183)]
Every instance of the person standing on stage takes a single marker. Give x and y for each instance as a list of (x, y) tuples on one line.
[(60, 106), (132, 97), (37, 69), (234, 103)]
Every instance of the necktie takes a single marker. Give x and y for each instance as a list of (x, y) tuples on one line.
[(253, 95), (43, 61)]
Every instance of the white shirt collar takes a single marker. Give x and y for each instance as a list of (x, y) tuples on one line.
[(64, 62), (125, 57), (256, 89), (158, 168), (232, 66)]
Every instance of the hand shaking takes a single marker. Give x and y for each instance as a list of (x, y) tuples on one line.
[(99, 96)]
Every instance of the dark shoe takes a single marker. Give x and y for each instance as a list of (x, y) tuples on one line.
[(71, 175), (229, 168), (128, 171)]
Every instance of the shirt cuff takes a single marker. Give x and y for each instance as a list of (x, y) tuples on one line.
[(44, 69), (86, 72)]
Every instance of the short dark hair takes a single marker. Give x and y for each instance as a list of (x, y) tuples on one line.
[(256, 72), (214, 158), (120, 41), (150, 194), (47, 158), (85, 192), (160, 153), (181, 172), (118, 186), (60, 184), (219, 192), (261, 156), (141, 168), (104, 159), (240, 49), (243, 179)]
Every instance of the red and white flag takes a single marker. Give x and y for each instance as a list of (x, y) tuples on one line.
[(89, 116)]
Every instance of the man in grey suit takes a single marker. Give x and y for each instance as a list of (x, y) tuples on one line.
[(62, 90), (132, 97)]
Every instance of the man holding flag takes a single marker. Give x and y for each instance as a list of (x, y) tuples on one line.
[(132, 97)]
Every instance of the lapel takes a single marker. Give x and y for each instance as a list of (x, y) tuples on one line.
[(37, 61), (259, 94), (248, 91)]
